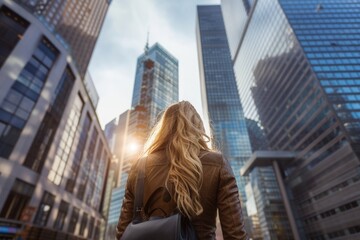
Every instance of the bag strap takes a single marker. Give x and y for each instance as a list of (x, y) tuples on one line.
[(139, 191)]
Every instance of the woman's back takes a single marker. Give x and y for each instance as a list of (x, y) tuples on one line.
[(217, 191), (178, 158)]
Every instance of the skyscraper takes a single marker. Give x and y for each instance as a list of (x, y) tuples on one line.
[(156, 81), (297, 67), (156, 87), (76, 24), (219, 93), (116, 133), (54, 158)]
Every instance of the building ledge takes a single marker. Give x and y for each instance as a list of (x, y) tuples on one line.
[(264, 159)]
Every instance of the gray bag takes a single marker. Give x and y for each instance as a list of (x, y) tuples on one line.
[(173, 227)]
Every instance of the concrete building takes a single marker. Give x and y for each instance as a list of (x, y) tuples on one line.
[(54, 158)]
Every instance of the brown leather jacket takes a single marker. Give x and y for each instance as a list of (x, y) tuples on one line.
[(218, 191)]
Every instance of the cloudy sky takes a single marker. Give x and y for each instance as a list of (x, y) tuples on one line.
[(122, 40)]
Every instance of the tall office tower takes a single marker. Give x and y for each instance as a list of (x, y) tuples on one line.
[(219, 93), (116, 133), (298, 73), (156, 87), (54, 158), (121, 148), (76, 24), (110, 134), (156, 82), (117, 197)]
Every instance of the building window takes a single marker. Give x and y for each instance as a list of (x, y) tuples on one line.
[(91, 227), (328, 213), (336, 234), (87, 165), (23, 95), (17, 199), (12, 27), (348, 206), (74, 165), (99, 170), (66, 143), (354, 229), (73, 220), (44, 209), (41, 144), (97, 230), (83, 225), (91, 196), (60, 219)]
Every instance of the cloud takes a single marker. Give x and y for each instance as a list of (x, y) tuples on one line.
[(123, 38)]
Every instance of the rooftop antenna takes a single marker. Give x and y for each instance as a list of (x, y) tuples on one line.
[(147, 44)]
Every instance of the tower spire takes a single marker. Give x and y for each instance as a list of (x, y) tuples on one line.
[(147, 44)]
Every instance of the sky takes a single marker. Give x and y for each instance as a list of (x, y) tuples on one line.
[(122, 40)]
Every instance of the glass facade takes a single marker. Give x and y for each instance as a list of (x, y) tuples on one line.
[(219, 92), (331, 43), (43, 140), (73, 164), (298, 78), (117, 196), (66, 144), (86, 166), (98, 178), (271, 212), (23, 95), (156, 87), (157, 72), (89, 195)]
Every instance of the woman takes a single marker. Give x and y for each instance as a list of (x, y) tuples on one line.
[(193, 179)]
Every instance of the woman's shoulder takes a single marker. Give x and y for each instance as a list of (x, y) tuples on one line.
[(211, 158)]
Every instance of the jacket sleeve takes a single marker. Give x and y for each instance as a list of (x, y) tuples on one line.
[(230, 213), (127, 208)]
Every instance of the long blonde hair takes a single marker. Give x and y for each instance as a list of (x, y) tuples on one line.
[(180, 132)]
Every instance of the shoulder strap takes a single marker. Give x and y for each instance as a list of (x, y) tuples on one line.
[(139, 191)]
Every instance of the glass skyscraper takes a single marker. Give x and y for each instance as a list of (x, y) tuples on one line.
[(220, 98), (297, 67), (156, 77), (116, 133), (156, 87)]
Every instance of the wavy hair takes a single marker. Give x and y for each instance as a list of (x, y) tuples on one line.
[(180, 132)]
